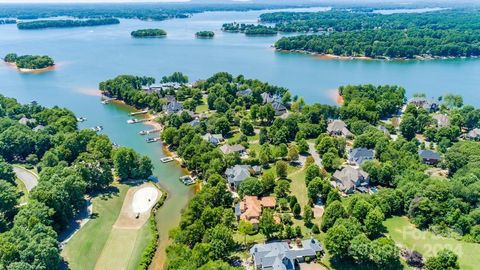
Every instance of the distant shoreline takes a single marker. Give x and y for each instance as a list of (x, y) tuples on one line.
[(340, 57)]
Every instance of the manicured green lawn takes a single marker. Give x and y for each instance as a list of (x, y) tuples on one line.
[(405, 234), (298, 187), (22, 188), (124, 248), (84, 249)]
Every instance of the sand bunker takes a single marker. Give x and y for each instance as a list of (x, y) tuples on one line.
[(136, 207), (144, 199)]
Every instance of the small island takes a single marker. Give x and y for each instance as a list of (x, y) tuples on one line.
[(205, 34), (250, 29), (148, 33), (27, 63)]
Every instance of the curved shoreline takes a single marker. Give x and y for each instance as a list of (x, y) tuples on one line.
[(31, 70)]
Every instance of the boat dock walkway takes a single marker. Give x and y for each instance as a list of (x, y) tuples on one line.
[(146, 132), (134, 121), (139, 112)]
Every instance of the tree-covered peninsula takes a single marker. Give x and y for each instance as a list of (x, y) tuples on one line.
[(451, 33), (148, 33), (29, 61), (41, 24), (71, 164), (254, 144), (205, 34), (249, 29)]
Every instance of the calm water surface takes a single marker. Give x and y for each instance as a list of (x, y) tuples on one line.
[(86, 56)]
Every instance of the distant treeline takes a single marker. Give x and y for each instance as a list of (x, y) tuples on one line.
[(29, 61), (40, 24), (148, 33), (342, 21), (144, 11), (249, 29), (7, 21)]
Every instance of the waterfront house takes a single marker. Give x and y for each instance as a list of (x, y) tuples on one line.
[(245, 93), (339, 128), (423, 102), (170, 98), (267, 98), (250, 208), (350, 178), (473, 134), (230, 149), (442, 120), (357, 156), (429, 157), (25, 121), (213, 138), (279, 108), (281, 256), (172, 107), (236, 174)]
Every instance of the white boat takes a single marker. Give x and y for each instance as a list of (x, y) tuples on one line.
[(97, 128), (150, 140), (187, 180), (105, 101), (166, 159), (143, 132), (81, 119), (132, 121)]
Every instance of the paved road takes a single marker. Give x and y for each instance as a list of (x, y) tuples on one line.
[(29, 179)]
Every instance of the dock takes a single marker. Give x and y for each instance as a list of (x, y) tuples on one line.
[(151, 131), (134, 121), (166, 159), (140, 112), (187, 180), (107, 100)]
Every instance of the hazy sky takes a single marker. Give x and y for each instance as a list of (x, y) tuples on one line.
[(89, 1)]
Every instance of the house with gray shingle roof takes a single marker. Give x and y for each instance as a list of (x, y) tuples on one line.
[(357, 156), (280, 256), (279, 108), (339, 128), (230, 149), (267, 98), (429, 157), (350, 178), (423, 102), (213, 138), (236, 175), (172, 107), (442, 120), (246, 92)]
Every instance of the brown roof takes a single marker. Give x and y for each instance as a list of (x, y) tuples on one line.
[(251, 206)]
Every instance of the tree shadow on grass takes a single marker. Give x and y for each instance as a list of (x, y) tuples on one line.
[(106, 193)]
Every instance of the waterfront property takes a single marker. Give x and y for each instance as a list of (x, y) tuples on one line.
[(214, 139), (172, 107), (236, 175), (473, 134), (422, 102), (349, 178), (284, 255), (442, 119)]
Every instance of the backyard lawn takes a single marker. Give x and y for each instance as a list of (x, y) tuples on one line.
[(405, 234)]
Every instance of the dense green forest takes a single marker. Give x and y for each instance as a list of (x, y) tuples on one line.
[(41, 24), (71, 163), (205, 34), (142, 33), (388, 43), (29, 61), (452, 33)]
